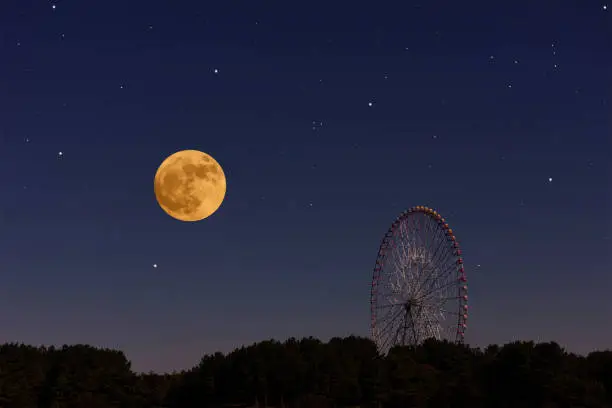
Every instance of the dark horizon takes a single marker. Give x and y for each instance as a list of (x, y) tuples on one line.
[(480, 348), (308, 373)]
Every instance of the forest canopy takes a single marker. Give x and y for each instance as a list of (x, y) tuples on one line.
[(344, 372)]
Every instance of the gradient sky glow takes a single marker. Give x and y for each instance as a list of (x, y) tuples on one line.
[(329, 119)]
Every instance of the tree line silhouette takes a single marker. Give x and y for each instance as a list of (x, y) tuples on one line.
[(308, 373)]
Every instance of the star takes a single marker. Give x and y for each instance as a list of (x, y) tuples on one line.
[(605, 7), (60, 154), (154, 265), (550, 179), (370, 104), (216, 71), (53, 6)]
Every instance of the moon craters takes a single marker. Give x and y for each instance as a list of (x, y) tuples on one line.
[(190, 185)]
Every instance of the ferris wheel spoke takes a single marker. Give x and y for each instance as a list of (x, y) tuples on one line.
[(382, 341), (390, 316), (433, 304), (421, 286), (383, 333), (447, 285), (387, 342), (433, 289), (409, 246), (389, 305), (404, 243), (443, 299), (444, 258), (452, 313), (403, 246), (400, 271), (438, 246), (432, 326), (413, 329), (402, 327), (444, 254), (436, 274), (436, 323), (432, 279), (388, 328), (431, 233), (439, 286), (441, 272)]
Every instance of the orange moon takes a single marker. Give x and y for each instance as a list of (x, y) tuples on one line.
[(190, 185)]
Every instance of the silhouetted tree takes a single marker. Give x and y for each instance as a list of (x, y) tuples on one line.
[(307, 373)]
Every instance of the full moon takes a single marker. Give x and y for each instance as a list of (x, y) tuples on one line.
[(190, 185)]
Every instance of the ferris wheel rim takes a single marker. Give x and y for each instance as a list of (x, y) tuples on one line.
[(460, 278)]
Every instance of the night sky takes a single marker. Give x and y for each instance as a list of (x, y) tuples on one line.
[(329, 119)]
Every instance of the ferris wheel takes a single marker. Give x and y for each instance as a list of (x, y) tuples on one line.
[(419, 287)]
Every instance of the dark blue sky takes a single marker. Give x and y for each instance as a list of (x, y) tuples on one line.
[(474, 107)]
